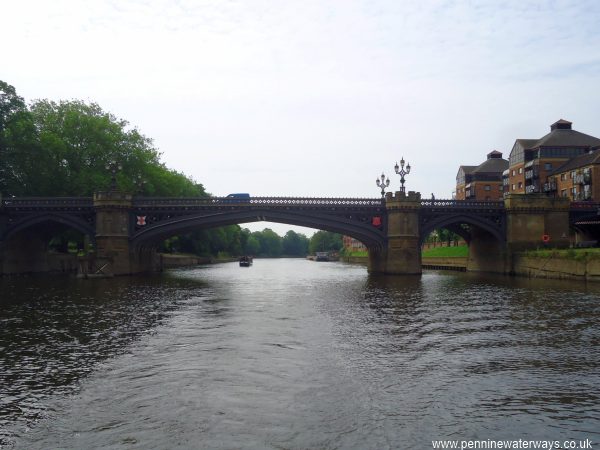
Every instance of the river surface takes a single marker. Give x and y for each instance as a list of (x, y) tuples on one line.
[(294, 354)]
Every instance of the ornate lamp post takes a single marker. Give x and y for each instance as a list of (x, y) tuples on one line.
[(114, 167), (139, 183), (382, 183), (400, 171)]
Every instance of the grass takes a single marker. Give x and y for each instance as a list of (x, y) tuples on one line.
[(362, 254), (577, 254), (460, 251)]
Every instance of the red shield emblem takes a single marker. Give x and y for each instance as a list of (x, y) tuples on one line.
[(376, 221), (141, 220)]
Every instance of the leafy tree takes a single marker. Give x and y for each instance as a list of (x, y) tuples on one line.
[(323, 241), (295, 244), (63, 148), (252, 246), (16, 133), (83, 139), (270, 243)]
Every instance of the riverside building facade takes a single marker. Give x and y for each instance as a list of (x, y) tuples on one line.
[(534, 164), (482, 182)]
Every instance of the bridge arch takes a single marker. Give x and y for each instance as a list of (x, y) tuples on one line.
[(153, 234), (452, 222), (32, 220)]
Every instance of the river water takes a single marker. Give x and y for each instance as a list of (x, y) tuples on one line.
[(293, 354)]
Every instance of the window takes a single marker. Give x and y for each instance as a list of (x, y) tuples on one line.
[(520, 170), (513, 173), (548, 166), (563, 176), (572, 174), (500, 188), (487, 199), (563, 193), (520, 185), (487, 187), (513, 187)]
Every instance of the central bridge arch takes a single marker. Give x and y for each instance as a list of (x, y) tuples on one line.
[(163, 218)]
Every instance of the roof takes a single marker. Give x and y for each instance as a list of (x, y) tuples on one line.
[(492, 165), (566, 138), (578, 161), (525, 143), (466, 170)]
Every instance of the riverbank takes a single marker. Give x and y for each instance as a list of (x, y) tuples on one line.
[(569, 264), (170, 260)]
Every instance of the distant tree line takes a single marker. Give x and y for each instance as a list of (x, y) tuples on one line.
[(63, 148), (241, 241)]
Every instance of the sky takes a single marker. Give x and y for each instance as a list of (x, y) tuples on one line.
[(315, 98)]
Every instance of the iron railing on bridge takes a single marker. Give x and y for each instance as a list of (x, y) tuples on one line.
[(47, 202), (471, 204), (258, 201), (87, 202)]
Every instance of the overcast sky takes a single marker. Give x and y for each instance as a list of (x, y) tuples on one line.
[(315, 97)]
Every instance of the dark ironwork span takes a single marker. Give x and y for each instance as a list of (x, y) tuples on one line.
[(164, 217), (453, 214), (22, 213)]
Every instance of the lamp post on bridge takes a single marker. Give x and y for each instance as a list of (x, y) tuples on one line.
[(139, 184), (400, 171), (382, 183), (114, 167)]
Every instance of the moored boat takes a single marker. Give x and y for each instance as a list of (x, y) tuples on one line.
[(245, 261)]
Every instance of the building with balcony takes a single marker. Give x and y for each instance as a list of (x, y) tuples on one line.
[(483, 182), (578, 179), (531, 161)]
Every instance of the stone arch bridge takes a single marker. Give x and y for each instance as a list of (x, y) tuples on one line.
[(126, 230)]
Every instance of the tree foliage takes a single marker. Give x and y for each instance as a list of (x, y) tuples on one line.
[(323, 241), (63, 148), (294, 244)]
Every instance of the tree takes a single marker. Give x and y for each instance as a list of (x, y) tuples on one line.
[(15, 127), (294, 244), (252, 246), (323, 241), (63, 148), (82, 139), (270, 242)]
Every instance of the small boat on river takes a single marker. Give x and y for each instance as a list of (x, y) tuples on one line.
[(245, 261), (322, 256)]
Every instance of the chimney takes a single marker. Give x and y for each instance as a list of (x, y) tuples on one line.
[(561, 125)]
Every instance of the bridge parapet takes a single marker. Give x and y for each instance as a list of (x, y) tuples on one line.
[(46, 203), (313, 202), (462, 204)]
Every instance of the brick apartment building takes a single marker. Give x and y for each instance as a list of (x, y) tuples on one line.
[(532, 162), (577, 179), (482, 182)]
